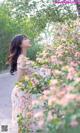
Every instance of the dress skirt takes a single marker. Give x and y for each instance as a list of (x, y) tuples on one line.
[(21, 104)]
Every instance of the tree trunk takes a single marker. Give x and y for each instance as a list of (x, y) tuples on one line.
[(77, 2)]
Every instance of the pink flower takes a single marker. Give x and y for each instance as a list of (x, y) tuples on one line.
[(77, 79), (51, 100), (72, 70), (68, 88), (50, 117), (54, 60), (61, 94), (77, 54), (57, 72), (41, 123), (70, 76), (46, 92), (74, 123), (71, 73), (53, 82), (74, 64), (34, 102), (43, 97), (67, 99), (38, 114), (77, 98)]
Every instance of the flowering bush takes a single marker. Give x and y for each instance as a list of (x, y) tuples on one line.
[(57, 83)]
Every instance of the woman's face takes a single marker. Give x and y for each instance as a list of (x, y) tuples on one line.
[(26, 43)]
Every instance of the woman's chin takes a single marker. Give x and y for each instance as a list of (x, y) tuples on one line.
[(29, 46)]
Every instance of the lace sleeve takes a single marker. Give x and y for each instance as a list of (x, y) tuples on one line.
[(25, 65)]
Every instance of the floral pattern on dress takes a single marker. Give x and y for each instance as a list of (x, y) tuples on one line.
[(21, 100)]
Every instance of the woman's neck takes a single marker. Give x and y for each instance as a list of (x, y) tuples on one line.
[(24, 52)]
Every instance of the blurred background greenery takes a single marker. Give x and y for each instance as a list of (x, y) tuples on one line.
[(35, 18)]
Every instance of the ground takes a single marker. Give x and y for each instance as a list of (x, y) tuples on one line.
[(7, 83)]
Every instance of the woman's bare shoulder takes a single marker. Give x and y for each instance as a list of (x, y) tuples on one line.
[(21, 62)]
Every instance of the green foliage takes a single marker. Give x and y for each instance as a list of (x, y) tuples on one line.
[(32, 52), (10, 27), (58, 91), (27, 17)]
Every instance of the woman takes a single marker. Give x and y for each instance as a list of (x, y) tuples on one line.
[(21, 100)]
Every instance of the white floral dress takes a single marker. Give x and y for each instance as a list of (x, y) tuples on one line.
[(21, 100)]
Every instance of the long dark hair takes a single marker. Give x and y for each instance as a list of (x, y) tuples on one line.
[(14, 51)]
